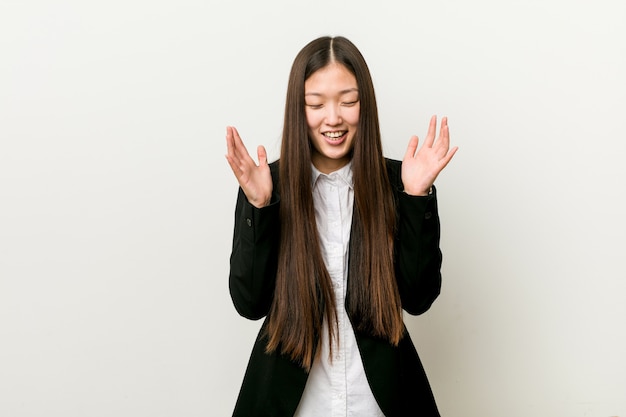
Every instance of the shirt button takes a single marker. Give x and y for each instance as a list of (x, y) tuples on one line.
[(428, 215), (249, 221)]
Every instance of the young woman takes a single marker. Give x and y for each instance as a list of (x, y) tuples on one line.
[(330, 244)]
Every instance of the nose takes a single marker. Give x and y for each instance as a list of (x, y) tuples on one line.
[(333, 115)]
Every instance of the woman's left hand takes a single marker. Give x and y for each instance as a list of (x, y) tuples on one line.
[(419, 170)]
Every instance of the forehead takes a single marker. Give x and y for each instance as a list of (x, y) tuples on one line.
[(334, 78)]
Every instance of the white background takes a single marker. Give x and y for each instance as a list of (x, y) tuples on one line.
[(116, 202)]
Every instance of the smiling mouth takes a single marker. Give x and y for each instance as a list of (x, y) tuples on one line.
[(335, 135)]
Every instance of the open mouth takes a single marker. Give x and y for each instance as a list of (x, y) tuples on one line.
[(335, 136)]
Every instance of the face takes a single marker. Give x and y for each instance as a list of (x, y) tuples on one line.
[(332, 113)]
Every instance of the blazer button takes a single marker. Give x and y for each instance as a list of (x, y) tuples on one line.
[(428, 215)]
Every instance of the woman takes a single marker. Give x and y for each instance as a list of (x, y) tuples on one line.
[(330, 244)]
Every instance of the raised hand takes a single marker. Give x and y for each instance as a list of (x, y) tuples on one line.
[(255, 180), (419, 170)]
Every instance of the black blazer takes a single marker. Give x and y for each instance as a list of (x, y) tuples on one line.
[(273, 384)]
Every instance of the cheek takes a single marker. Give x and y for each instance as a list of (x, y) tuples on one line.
[(352, 117), (311, 119)]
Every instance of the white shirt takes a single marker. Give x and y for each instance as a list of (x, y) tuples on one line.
[(337, 387)]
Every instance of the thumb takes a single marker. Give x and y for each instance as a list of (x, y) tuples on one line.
[(262, 155), (411, 148)]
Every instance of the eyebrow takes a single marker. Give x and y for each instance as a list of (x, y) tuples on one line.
[(342, 92)]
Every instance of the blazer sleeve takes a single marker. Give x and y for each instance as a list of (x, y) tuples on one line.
[(417, 254), (254, 256)]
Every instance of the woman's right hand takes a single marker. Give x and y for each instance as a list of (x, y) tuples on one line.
[(255, 180)]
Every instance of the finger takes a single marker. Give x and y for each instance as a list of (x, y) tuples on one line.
[(230, 141), (230, 148), (443, 141), (239, 151), (262, 155), (234, 167), (234, 162), (444, 132), (230, 145), (232, 155), (412, 147), (239, 146), (430, 135), (229, 138), (445, 161)]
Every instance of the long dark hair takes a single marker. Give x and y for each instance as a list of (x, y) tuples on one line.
[(304, 295)]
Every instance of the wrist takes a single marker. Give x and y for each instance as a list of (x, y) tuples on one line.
[(419, 192), (261, 204)]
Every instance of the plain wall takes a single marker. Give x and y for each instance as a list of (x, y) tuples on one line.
[(116, 201)]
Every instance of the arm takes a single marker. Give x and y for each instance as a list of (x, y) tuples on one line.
[(254, 257), (418, 257), (253, 260), (417, 254)]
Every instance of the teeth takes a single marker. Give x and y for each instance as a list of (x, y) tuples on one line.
[(334, 135)]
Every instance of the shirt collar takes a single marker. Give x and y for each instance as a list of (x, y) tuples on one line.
[(344, 173)]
